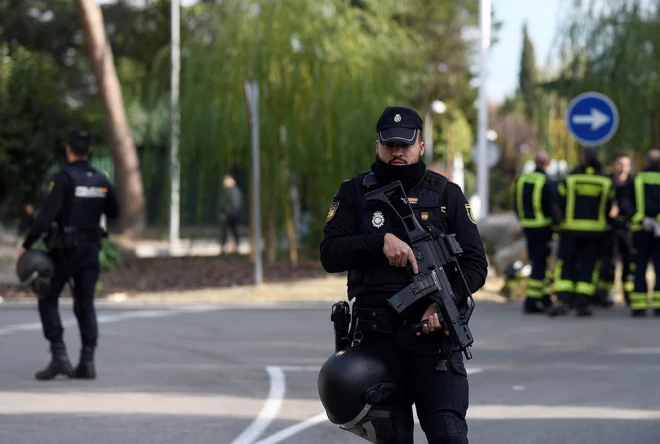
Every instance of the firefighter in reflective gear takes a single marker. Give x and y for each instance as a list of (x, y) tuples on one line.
[(79, 195), (642, 201), (536, 203), (587, 198), (618, 242)]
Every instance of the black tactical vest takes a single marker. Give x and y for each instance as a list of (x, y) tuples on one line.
[(83, 208), (377, 217)]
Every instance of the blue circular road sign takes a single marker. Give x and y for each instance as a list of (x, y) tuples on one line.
[(592, 118)]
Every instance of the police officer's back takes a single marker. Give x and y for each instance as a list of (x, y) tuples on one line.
[(368, 240), (587, 198), (536, 204), (70, 215)]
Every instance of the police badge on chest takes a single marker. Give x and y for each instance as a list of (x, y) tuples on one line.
[(378, 220)]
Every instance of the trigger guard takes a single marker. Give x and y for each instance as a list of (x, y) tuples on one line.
[(410, 271)]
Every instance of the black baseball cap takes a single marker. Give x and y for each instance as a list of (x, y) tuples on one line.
[(398, 124), (79, 136)]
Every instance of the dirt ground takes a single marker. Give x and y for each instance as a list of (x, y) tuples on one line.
[(188, 273)]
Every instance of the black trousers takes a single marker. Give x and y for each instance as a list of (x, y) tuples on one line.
[(440, 397), (576, 260), (81, 265), (647, 248), (538, 251), (230, 226), (617, 244)]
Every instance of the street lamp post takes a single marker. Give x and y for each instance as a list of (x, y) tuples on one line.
[(437, 107), (482, 121)]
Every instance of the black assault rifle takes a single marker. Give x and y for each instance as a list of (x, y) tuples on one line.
[(433, 255)]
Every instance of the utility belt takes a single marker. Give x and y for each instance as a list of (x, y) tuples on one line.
[(70, 237), (351, 330)]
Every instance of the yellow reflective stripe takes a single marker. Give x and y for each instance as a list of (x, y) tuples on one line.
[(655, 304), (598, 224), (595, 275), (585, 288), (564, 286), (640, 204), (629, 286), (641, 179), (639, 301), (538, 181), (535, 288)]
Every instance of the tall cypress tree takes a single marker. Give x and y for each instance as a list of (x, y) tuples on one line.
[(527, 76)]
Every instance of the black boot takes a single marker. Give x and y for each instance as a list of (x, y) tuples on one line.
[(85, 368), (59, 364)]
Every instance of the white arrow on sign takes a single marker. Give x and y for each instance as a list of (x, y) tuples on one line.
[(596, 119)]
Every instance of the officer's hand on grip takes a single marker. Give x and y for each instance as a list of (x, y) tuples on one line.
[(398, 252), (434, 321)]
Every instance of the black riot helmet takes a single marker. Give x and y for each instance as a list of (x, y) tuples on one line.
[(356, 387), (35, 269)]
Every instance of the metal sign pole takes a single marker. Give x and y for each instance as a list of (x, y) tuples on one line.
[(252, 93), (482, 155), (175, 120)]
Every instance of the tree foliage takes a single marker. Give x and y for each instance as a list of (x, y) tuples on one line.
[(613, 47), (325, 68), (527, 76), (33, 114)]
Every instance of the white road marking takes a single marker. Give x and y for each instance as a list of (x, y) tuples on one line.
[(301, 426), (110, 318), (308, 368), (270, 409), (294, 429)]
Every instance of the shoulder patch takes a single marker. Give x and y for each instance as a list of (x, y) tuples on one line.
[(51, 184), (468, 209), (332, 211)]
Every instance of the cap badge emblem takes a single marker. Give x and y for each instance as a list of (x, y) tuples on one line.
[(378, 220), (397, 118)]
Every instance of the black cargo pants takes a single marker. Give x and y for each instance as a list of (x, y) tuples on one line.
[(441, 397), (81, 265)]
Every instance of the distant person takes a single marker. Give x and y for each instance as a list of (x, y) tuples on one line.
[(233, 206), (618, 245), (79, 195)]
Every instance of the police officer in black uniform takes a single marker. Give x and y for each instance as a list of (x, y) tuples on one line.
[(536, 205), (79, 195), (368, 240)]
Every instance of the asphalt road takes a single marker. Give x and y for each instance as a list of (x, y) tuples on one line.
[(212, 374)]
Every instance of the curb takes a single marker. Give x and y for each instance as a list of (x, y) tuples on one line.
[(330, 289)]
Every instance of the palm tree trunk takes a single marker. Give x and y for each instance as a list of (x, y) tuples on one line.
[(127, 171)]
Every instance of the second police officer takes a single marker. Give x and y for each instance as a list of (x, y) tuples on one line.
[(369, 241), (70, 214)]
